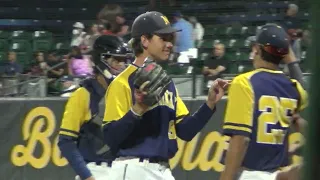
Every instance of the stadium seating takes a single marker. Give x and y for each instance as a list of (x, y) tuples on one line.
[(42, 25)]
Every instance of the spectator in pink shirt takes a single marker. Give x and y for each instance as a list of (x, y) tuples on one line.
[(79, 65)]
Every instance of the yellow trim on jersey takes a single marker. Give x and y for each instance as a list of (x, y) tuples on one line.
[(68, 133), (237, 128), (76, 113), (118, 97), (303, 101), (240, 106), (266, 70), (181, 108)]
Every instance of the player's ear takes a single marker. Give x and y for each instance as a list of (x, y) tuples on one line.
[(144, 41)]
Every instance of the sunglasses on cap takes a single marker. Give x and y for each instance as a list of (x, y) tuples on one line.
[(274, 50)]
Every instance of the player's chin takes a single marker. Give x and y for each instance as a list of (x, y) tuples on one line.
[(164, 57)]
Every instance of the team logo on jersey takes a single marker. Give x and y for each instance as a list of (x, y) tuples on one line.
[(165, 19)]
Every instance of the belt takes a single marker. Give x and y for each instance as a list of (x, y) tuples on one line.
[(153, 160), (160, 161), (101, 163), (270, 171)]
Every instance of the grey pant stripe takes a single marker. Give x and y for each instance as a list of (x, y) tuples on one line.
[(125, 172)]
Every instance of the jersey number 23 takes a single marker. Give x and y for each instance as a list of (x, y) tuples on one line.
[(274, 119)]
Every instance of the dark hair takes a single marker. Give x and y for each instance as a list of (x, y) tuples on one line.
[(270, 57), (108, 16), (77, 50), (137, 46), (35, 54)]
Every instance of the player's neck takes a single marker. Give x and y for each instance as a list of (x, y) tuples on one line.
[(267, 65), (139, 61)]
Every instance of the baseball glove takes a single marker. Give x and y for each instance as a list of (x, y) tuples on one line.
[(158, 82)]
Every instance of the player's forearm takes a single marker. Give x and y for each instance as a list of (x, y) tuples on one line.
[(69, 150), (188, 128), (296, 73), (116, 132), (235, 154)]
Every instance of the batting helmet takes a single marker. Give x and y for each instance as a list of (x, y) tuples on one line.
[(110, 55)]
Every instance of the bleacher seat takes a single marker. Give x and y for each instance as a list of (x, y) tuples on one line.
[(20, 46), (41, 45), (23, 58), (207, 43), (4, 34), (21, 35), (3, 56), (242, 56), (42, 35), (22, 49), (3, 45)]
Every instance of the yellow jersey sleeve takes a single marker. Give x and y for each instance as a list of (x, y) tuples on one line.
[(75, 111), (118, 101), (303, 101), (240, 108), (181, 108)]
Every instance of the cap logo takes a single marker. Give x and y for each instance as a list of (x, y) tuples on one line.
[(165, 19)]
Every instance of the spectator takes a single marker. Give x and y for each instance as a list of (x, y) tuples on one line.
[(183, 41), (78, 65), (39, 66), (215, 65), (91, 37), (198, 31), (113, 19), (292, 25), (56, 68), (12, 67), (78, 34)]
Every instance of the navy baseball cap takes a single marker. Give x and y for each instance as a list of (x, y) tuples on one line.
[(152, 22), (273, 39)]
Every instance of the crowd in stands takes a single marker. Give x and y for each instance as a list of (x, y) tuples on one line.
[(218, 56)]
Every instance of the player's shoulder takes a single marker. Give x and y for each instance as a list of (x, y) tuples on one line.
[(244, 78), (80, 92), (122, 80)]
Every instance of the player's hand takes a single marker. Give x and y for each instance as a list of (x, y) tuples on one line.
[(216, 92), (290, 57), (139, 107)]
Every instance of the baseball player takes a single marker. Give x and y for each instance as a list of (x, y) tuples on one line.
[(80, 135), (259, 112), (144, 113)]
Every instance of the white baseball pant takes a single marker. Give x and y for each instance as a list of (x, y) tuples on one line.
[(133, 169), (99, 172), (257, 175)]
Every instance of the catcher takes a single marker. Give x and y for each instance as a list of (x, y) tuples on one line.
[(80, 135), (144, 114)]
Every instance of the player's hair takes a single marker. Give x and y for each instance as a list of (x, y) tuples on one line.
[(137, 46), (270, 57)]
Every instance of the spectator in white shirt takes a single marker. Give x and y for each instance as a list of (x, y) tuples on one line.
[(198, 31)]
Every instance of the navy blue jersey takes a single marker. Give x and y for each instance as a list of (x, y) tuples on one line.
[(152, 136), (260, 106), (81, 122)]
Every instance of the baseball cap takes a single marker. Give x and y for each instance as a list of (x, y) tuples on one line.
[(152, 22), (273, 39)]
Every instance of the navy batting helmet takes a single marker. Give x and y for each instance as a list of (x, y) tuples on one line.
[(110, 55)]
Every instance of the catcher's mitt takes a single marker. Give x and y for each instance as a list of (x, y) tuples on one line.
[(157, 85)]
